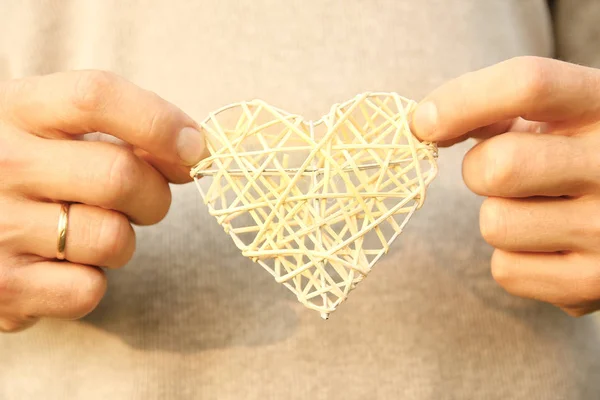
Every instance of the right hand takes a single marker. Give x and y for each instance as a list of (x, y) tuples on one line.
[(110, 186)]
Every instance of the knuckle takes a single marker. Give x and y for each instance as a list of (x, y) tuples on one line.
[(586, 288), (588, 228), (501, 271), (85, 297), (583, 157), (122, 178), (8, 286), (6, 154), (92, 90), (159, 210), (501, 171), (116, 239), (14, 160), (588, 224), (158, 118), (5, 282), (493, 221), (532, 77)]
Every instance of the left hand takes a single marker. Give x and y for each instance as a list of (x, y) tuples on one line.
[(539, 165)]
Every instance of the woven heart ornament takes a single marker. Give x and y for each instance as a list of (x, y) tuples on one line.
[(315, 203)]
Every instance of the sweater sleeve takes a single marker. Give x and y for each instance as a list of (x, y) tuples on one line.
[(577, 31)]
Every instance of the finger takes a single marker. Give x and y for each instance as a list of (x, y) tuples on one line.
[(52, 289), (172, 172), (497, 128), (528, 164), (536, 89), (485, 132), (508, 125), (16, 324), (95, 236), (80, 102), (100, 174), (451, 142), (581, 311), (535, 224), (566, 280)]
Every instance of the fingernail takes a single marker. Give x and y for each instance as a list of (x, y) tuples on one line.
[(425, 120), (190, 145)]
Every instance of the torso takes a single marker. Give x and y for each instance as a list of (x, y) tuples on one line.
[(191, 318)]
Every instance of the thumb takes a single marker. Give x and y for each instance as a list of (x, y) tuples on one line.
[(534, 88), (78, 102)]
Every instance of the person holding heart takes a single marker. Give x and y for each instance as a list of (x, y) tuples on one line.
[(99, 111)]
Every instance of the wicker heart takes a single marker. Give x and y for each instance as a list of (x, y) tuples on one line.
[(315, 203)]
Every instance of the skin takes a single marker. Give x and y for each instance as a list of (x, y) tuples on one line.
[(44, 161), (537, 122)]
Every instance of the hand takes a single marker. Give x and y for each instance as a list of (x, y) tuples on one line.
[(539, 125), (110, 185)]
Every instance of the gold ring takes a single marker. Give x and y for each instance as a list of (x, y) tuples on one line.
[(63, 222)]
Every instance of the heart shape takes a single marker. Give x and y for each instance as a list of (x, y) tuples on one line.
[(315, 203)]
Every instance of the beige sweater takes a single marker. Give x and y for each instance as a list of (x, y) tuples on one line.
[(190, 318)]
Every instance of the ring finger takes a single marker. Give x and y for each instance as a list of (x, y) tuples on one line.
[(94, 236)]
